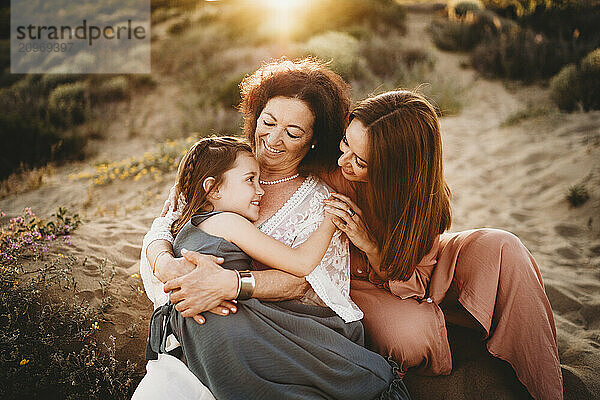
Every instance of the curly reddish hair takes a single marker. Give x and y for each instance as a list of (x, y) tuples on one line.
[(325, 92)]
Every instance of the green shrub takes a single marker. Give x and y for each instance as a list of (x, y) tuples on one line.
[(577, 195), (342, 50), (228, 94), (5, 21), (389, 57), (590, 81), (139, 81), (463, 7), (466, 32), (574, 20), (30, 137), (6, 78), (113, 89), (68, 104), (162, 14), (524, 114), (522, 54), (578, 87), (50, 81), (564, 89), (560, 17), (32, 142), (177, 28)]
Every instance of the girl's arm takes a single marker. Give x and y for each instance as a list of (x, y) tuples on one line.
[(299, 261)]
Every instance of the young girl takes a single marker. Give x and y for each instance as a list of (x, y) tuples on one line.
[(219, 180)]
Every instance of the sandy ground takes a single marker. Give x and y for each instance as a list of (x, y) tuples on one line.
[(514, 178)]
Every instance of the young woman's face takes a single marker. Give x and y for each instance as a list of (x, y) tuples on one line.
[(284, 132), (240, 191), (354, 148)]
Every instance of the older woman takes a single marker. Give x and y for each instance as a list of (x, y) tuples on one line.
[(295, 114), (484, 278)]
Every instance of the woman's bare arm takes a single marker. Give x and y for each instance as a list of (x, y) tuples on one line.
[(274, 285), (166, 267), (209, 285), (271, 285)]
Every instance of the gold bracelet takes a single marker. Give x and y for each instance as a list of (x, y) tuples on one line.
[(239, 283), (247, 285), (160, 253)]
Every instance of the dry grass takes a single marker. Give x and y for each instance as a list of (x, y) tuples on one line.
[(25, 180)]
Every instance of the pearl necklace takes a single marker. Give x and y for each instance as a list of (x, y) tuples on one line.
[(289, 178)]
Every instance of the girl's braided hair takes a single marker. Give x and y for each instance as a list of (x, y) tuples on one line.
[(208, 157)]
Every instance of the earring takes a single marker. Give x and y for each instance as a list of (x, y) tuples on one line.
[(313, 146)]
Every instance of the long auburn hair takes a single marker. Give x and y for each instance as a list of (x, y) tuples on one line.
[(325, 92), (208, 157), (406, 195)]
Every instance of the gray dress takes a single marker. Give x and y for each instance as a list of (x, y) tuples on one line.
[(272, 350)]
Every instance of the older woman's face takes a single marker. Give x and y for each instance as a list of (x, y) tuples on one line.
[(354, 148), (284, 132)]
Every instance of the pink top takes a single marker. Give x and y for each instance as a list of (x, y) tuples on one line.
[(495, 279)]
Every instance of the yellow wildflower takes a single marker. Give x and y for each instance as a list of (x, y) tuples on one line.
[(95, 326), (24, 361)]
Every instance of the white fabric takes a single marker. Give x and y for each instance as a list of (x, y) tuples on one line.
[(292, 224), (161, 229), (169, 378)]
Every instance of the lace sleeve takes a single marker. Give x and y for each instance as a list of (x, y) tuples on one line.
[(161, 229), (331, 278)]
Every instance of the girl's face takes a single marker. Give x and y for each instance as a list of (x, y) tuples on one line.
[(284, 132), (355, 149), (240, 191)]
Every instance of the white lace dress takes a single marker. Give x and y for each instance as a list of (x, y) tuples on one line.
[(292, 224)]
